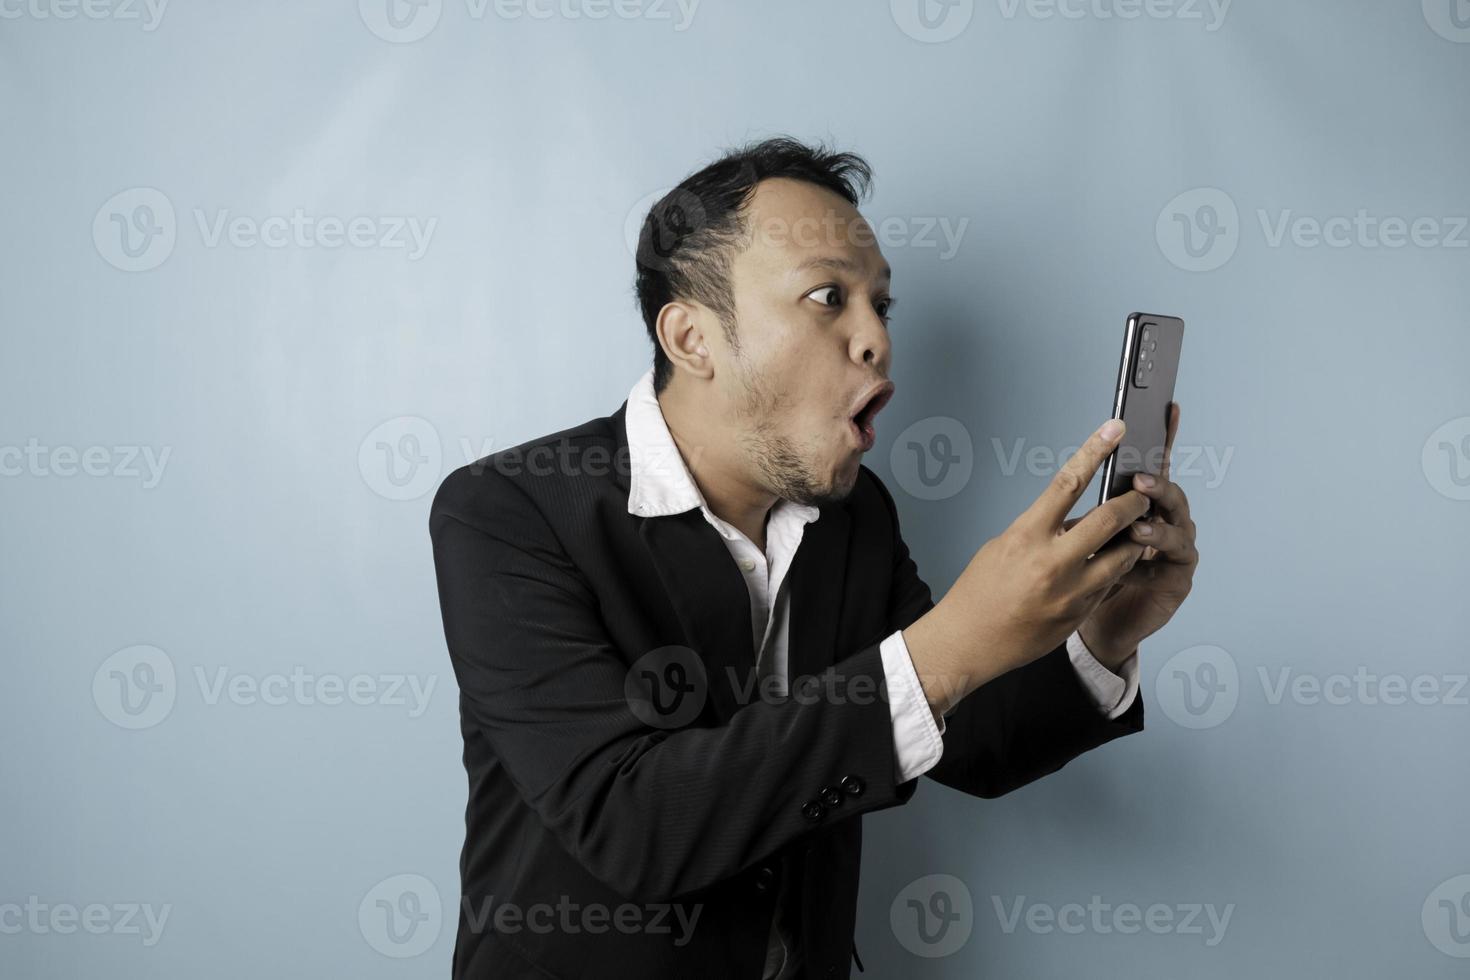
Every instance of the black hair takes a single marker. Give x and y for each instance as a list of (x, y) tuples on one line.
[(691, 234)]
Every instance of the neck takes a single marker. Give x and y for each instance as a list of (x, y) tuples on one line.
[(708, 452)]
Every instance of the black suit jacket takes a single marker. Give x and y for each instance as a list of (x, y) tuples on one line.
[(600, 845)]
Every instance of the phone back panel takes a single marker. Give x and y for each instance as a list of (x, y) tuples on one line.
[(1146, 373)]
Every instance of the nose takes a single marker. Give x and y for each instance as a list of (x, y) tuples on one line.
[(870, 346)]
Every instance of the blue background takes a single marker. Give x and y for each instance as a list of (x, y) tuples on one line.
[(310, 397)]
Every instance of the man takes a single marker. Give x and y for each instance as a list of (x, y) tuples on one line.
[(692, 647)]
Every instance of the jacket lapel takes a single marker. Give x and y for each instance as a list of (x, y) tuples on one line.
[(817, 580), (710, 599)]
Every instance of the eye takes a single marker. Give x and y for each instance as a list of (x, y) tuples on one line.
[(829, 296), (884, 306)]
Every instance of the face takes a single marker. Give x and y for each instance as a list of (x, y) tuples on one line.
[(811, 297)]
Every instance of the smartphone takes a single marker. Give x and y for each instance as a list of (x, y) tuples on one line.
[(1145, 391)]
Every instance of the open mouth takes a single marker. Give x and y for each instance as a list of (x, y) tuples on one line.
[(861, 419)]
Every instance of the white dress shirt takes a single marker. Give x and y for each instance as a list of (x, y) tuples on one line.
[(660, 485)]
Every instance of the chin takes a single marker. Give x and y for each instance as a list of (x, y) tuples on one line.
[(842, 485)]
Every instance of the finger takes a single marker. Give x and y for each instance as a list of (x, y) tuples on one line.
[(1157, 576), (1169, 499), (1108, 566), (1101, 524), (1171, 429), (1170, 543), (1051, 508)]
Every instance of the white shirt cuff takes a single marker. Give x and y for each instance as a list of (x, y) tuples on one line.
[(917, 741), (1113, 693)]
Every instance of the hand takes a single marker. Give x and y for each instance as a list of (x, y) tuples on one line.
[(1147, 597), (1026, 590)]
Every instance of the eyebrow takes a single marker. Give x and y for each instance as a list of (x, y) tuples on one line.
[(841, 263)]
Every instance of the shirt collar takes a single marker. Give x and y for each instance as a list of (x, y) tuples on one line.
[(659, 482)]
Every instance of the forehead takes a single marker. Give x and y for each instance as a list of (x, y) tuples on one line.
[(796, 226)]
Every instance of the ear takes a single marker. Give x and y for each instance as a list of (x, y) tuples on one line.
[(681, 334)]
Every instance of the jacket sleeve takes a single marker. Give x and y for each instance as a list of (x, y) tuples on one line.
[(1023, 725), (654, 813)]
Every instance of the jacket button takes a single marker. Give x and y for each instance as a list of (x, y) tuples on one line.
[(764, 878), (830, 795), (853, 785), (812, 810)]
